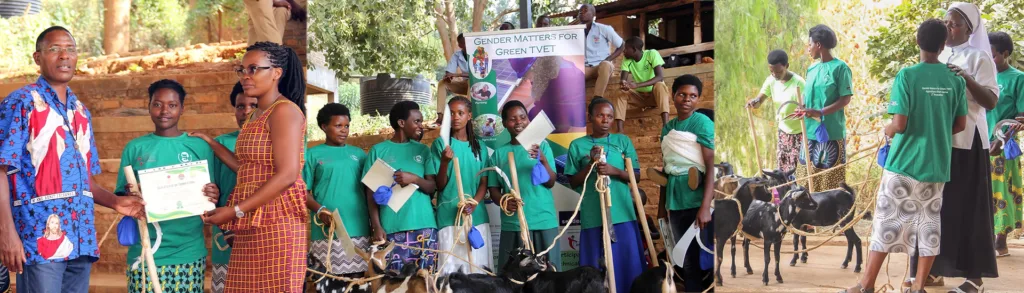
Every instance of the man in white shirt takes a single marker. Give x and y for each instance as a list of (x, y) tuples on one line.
[(599, 55), (456, 77)]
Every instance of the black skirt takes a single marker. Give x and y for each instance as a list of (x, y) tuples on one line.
[(967, 249)]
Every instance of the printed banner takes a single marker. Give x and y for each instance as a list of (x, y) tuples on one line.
[(544, 69)]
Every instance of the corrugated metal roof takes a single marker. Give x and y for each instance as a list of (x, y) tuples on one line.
[(12, 8)]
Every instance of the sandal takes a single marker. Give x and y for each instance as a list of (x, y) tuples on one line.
[(1002, 252), (934, 281), (979, 289), (859, 289), (909, 282)]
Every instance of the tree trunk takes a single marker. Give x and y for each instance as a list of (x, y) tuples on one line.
[(116, 18), (440, 11), (478, 14)]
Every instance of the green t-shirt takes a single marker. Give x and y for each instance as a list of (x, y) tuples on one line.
[(643, 70), (418, 212), (183, 241), (1011, 98), (538, 201), (931, 97), (826, 83), (615, 146), (225, 180), (780, 93), (469, 165), (329, 174), (679, 195)]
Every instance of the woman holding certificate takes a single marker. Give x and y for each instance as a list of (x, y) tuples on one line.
[(267, 209), (181, 256)]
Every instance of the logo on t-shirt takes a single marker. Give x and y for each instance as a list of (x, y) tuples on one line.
[(418, 159), (184, 157), (354, 158)]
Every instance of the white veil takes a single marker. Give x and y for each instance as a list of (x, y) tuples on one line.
[(979, 35)]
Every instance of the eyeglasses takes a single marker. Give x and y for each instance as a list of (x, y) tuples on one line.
[(243, 71), (57, 50)]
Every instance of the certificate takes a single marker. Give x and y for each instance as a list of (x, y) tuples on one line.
[(382, 174), (175, 191)]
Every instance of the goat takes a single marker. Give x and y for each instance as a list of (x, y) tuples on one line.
[(826, 208), (375, 259), (459, 282), (329, 284), (525, 267), (660, 279), (727, 219), (724, 169), (411, 279), (762, 220)]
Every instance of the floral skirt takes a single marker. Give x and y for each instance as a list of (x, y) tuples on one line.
[(1007, 192)]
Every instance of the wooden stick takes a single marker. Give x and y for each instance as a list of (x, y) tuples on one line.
[(524, 231), (129, 175), (608, 262), (807, 152), (462, 199), (753, 137), (640, 210)]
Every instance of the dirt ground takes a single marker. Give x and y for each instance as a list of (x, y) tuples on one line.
[(822, 272)]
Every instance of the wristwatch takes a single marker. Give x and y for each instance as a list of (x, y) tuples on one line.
[(238, 212)]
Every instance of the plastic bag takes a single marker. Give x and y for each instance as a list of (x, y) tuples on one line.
[(539, 175), (883, 154), (475, 239), (821, 133), (1011, 150), (128, 231), (383, 194)]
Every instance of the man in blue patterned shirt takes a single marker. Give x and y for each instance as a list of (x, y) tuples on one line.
[(47, 232)]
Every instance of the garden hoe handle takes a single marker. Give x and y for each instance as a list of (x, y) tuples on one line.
[(753, 137), (129, 175), (608, 256), (462, 200), (640, 210), (524, 231)]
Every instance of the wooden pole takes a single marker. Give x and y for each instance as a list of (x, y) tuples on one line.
[(129, 175), (807, 153), (465, 218), (640, 210), (605, 226), (524, 231), (753, 137)]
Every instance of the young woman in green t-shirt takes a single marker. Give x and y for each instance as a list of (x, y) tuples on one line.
[(180, 256), (467, 148), (537, 200)]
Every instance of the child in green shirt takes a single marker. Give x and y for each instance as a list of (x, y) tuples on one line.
[(181, 255), (329, 174), (413, 225), (1006, 181), (537, 200), (643, 83), (467, 148), (226, 179), (782, 86), (627, 248)]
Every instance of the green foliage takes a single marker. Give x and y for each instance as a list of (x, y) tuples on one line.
[(19, 41), (365, 37), (203, 20), (894, 45), (348, 95), (158, 24), (754, 28)]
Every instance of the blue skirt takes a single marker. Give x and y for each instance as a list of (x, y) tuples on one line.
[(629, 259)]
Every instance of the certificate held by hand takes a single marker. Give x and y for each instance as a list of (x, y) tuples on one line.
[(382, 175), (175, 191)]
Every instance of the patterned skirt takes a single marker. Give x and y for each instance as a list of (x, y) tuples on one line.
[(422, 238), (220, 277), (786, 151), (824, 156), (1007, 192), (342, 263), (187, 277), (907, 216), (5, 279), (271, 258)]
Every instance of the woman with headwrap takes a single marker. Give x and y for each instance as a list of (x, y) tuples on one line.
[(967, 249)]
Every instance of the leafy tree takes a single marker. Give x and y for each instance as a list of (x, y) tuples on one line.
[(207, 18), (366, 37), (755, 27), (158, 24), (894, 46)]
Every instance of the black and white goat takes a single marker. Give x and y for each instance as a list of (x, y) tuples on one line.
[(727, 218), (826, 208), (762, 220), (535, 272)]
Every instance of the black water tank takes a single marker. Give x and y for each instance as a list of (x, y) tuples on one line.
[(12, 8), (379, 94)]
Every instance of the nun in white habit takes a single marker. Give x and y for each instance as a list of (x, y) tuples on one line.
[(966, 246)]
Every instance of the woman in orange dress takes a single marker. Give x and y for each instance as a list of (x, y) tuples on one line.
[(267, 210)]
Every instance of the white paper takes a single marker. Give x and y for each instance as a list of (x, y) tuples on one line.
[(382, 174), (176, 191), (538, 130), (446, 125)]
